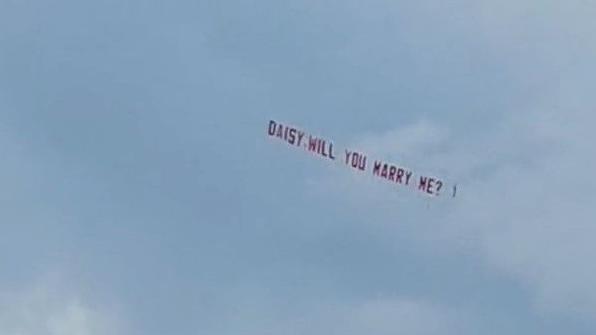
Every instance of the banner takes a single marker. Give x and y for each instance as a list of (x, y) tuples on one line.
[(390, 172)]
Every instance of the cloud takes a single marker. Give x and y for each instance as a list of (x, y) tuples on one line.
[(397, 315), (99, 136), (405, 316), (532, 214), (45, 309), (526, 203), (404, 144)]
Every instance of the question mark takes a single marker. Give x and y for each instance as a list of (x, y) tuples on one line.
[(439, 186)]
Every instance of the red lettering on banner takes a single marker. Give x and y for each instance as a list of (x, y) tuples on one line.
[(355, 160), (358, 161), (392, 172), (300, 136), (292, 136), (384, 171), (271, 130), (408, 176), (323, 146), (320, 147), (422, 184), (348, 154), (377, 168), (289, 134), (312, 143), (431, 184), (400, 174), (439, 186)]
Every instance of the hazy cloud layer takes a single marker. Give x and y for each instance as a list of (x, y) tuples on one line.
[(47, 308), (135, 163), (383, 316)]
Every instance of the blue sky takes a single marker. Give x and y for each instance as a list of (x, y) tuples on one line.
[(141, 194)]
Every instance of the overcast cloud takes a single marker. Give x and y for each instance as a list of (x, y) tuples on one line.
[(141, 195)]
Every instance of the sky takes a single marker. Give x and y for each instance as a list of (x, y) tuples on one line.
[(141, 194)]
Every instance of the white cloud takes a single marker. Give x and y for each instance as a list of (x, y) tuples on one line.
[(535, 220), (527, 200), (405, 141), (46, 309), (405, 316), (376, 316)]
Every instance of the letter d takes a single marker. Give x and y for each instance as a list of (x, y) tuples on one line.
[(272, 126)]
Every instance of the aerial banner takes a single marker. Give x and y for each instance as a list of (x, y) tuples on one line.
[(393, 173)]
